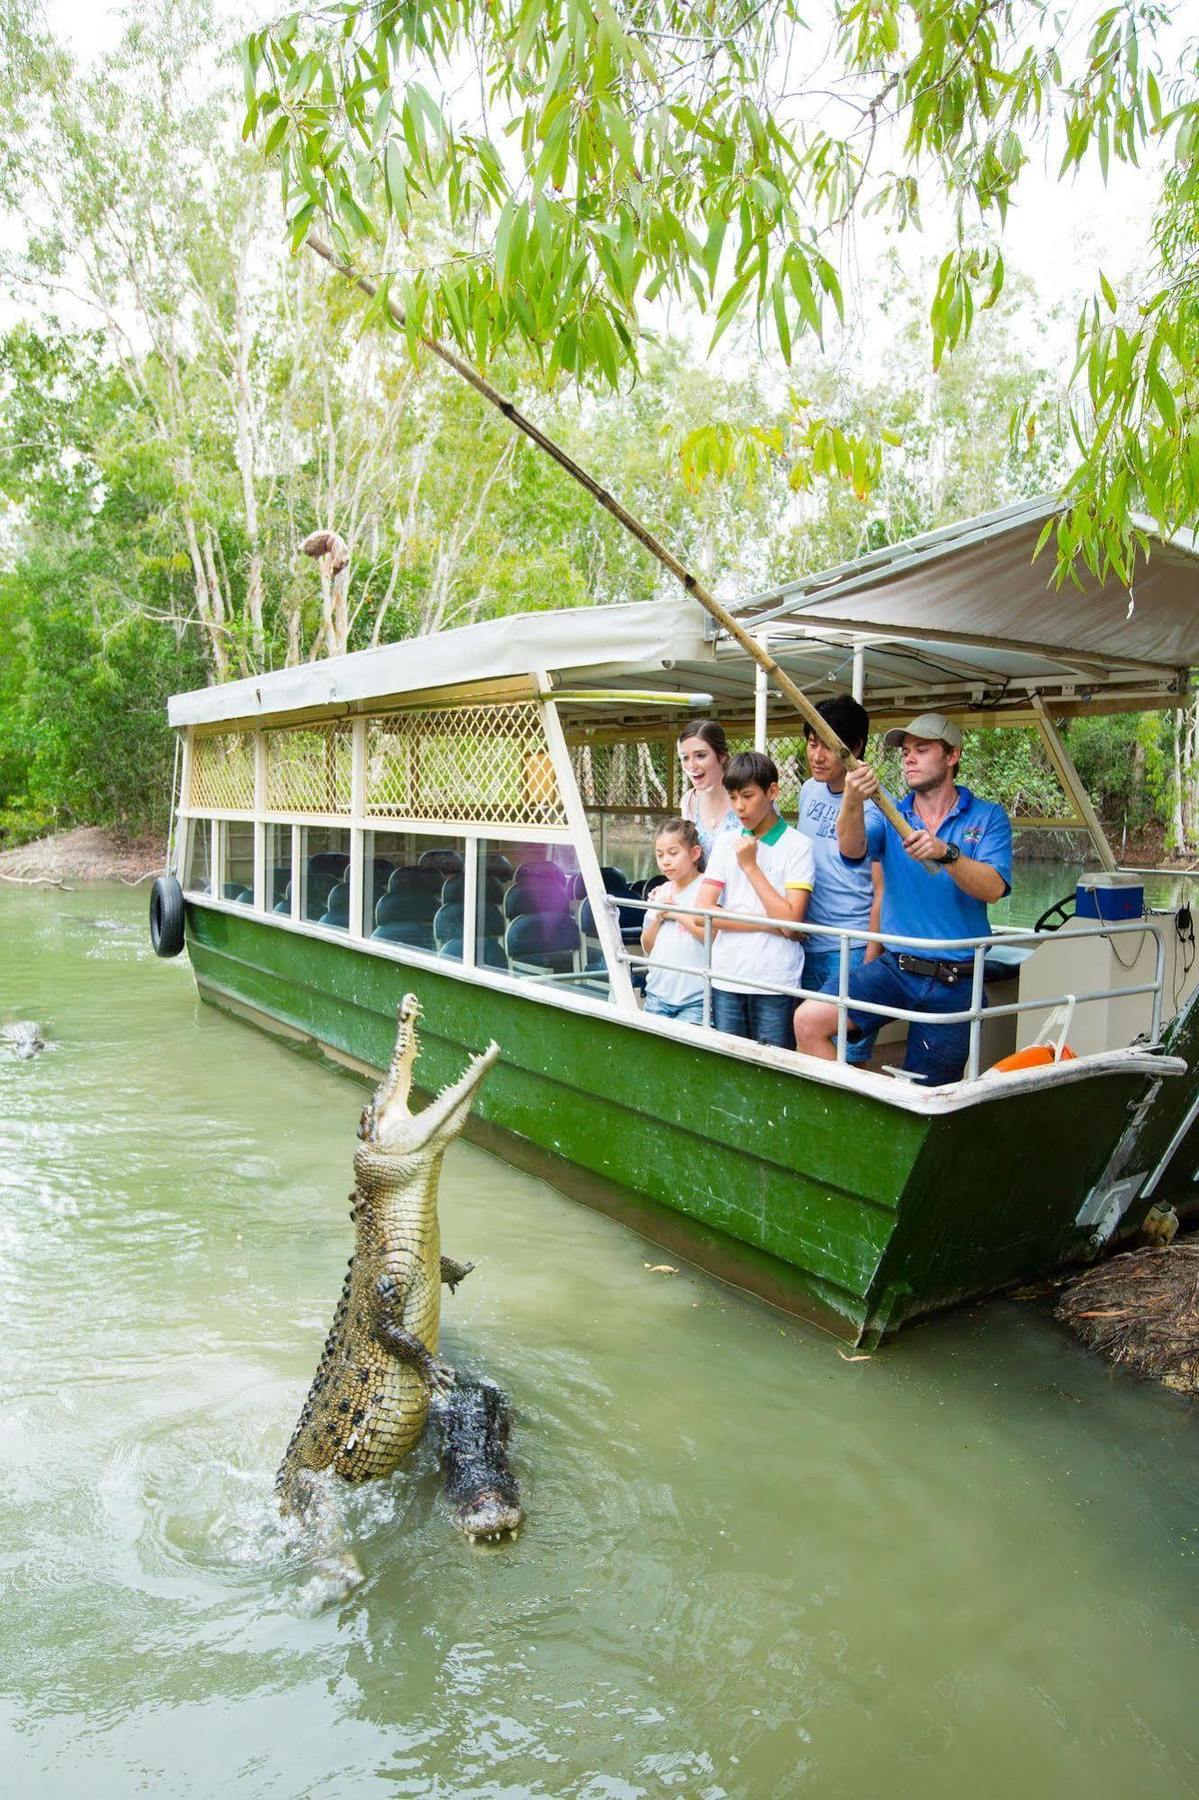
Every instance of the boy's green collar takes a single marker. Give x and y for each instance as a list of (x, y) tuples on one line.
[(768, 837)]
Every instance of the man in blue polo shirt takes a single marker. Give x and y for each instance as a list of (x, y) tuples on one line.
[(936, 884)]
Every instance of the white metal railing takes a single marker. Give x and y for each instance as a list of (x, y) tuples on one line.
[(619, 959), (933, 949)]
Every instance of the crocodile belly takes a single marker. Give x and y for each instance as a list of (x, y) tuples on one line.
[(385, 1421)]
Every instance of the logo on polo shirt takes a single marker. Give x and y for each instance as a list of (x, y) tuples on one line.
[(972, 834)]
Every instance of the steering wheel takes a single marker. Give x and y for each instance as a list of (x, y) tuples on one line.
[(1056, 915)]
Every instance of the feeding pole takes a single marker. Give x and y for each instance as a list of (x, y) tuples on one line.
[(633, 526)]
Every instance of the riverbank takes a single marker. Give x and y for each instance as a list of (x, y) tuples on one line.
[(90, 853)]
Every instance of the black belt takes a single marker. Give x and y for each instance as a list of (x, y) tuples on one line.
[(948, 972)]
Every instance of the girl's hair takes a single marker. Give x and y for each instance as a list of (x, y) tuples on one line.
[(683, 828), (710, 733)]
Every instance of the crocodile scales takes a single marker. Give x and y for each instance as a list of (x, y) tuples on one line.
[(369, 1400)]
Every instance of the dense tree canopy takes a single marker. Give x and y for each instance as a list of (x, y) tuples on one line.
[(589, 155), (183, 399)]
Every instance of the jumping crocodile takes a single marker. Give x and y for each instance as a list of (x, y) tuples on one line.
[(369, 1400)]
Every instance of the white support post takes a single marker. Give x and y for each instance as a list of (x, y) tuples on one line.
[(593, 881), (297, 845), (761, 704), (471, 920), (262, 900), (858, 678), (357, 813), (184, 829), (1071, 780)]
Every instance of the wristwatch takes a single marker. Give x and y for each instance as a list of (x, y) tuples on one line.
[(952, 852)]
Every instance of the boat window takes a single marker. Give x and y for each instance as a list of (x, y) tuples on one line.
[(236, 849), (412, 890), (278, 868), (324, 871), (198, 879), (533, 918)]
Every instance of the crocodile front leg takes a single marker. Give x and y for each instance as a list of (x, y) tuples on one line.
[(404, 1345), (453, 1272)]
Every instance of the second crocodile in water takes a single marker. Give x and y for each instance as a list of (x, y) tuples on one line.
[(369, 1400)]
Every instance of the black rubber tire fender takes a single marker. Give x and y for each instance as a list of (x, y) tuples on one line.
[(166, 916)]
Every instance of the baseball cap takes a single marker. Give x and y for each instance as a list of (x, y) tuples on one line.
[(928, 725)]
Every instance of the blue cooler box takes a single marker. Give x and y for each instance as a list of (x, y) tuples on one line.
[(1109, 897)]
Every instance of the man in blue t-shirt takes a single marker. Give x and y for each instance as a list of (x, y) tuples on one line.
[(936, 884), (845, 894)]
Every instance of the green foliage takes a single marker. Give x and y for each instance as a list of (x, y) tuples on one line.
[(620, 153), (1122, 760)]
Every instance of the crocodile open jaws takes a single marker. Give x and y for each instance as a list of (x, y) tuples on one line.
[(369, 1400)]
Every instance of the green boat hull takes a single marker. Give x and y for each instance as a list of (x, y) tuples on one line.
[(856, 1213)]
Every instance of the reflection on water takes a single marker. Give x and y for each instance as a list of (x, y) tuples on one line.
[(751, 1567)]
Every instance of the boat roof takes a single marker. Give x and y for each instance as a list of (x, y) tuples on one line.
[(963, 618)]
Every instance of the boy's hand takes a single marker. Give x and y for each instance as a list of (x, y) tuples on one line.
[(747, 851)]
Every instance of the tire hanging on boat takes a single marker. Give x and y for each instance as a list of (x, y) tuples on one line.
[(166, 916)]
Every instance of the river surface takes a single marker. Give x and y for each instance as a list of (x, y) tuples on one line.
[(752, 1566)]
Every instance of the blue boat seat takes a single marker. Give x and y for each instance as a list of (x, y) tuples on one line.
[(499, 866), (542, 870), (535, 897), (326, 868), (337, 909), (543, 943), (444, 861), (283, 905), (411, 880), (237, 890), (454, 891), (381, 868), (449, 923), (631, 921), (401, 908), (416, 934)]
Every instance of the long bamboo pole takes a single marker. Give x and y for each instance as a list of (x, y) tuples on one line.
[(632, 525)]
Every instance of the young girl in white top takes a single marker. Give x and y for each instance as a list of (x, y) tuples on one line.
[(676, 992), (704, 755)]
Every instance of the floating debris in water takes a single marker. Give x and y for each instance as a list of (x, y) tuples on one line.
[(1141, 1311)]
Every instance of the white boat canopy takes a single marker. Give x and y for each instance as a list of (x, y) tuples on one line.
[(961, 618)]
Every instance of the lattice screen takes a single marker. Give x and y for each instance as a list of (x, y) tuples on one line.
[(222, 778), (309, 769), (478, 765), (631, 777)]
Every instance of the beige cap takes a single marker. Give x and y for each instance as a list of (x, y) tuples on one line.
[(933, 726)]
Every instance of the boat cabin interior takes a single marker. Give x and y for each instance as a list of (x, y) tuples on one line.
[(488, 798)]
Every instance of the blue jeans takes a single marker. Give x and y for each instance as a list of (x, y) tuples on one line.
[(691, 1010), (822, 971), (766, 1018), (937, 1053)]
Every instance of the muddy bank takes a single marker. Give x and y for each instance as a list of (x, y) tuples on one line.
[(89, 854)]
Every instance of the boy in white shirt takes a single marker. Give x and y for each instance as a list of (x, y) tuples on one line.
[(766, 868)]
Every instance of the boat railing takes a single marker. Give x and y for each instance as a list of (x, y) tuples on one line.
[(940, 949)]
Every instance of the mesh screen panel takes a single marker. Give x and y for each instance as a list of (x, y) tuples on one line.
[(309, 769), (222, 777), (479, 765), (632, 776)]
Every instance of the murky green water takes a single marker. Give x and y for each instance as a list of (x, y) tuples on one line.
[(970, 1565)]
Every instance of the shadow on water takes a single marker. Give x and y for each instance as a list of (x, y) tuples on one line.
[(751, 1567)]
